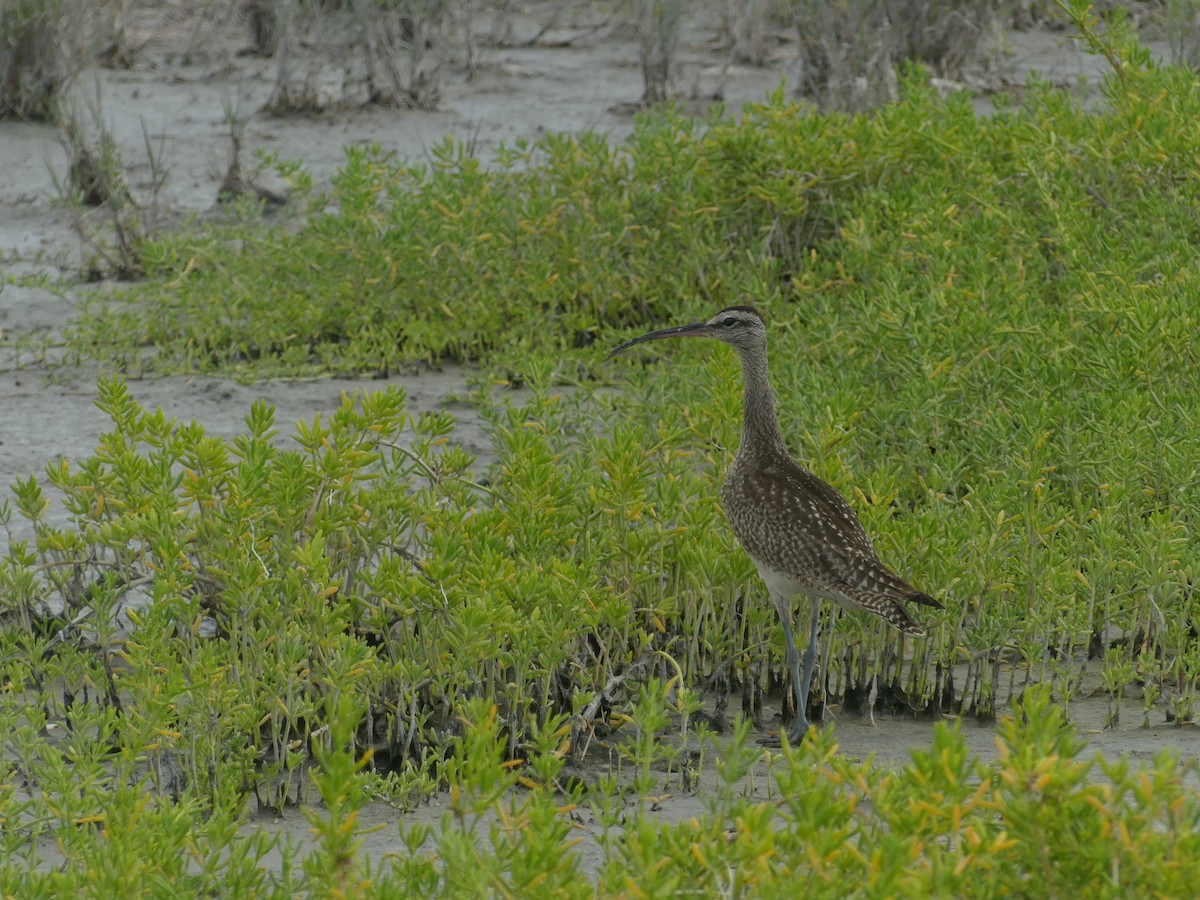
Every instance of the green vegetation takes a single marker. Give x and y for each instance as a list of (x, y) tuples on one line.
[(982, 332)]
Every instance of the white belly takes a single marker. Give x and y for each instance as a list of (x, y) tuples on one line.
[(786, 588)]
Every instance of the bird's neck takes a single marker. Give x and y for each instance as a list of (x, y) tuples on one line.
[(760, 429)]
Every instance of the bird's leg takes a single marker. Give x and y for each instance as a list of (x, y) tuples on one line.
[(799, 685), (810, 652)]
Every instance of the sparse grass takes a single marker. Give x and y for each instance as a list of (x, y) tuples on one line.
[(1183, 31), (45, 44), (657, 23), (750, 26), (34, 68), (982, 333), (851, 51), (387, 53), (109, 33), (262, 19), (117, 232)]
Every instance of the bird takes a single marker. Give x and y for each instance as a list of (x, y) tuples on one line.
[(802, 536)]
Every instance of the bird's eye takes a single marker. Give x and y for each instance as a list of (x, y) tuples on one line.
[(729, 321)]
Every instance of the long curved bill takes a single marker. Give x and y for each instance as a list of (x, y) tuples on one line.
[(696, 330)]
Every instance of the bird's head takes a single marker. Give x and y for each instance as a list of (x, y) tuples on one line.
[(742, 327)]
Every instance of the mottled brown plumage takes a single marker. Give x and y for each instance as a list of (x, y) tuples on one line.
[(801, 534), (795, 525)]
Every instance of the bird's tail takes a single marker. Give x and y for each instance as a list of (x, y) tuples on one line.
[(888, 607), (924, 599)]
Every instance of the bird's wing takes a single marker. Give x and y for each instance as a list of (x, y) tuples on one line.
[(790, 520)]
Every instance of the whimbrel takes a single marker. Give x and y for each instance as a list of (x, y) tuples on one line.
[(801, 534)]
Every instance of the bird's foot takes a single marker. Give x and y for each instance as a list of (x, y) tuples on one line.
[(798, 733)]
